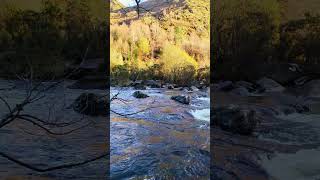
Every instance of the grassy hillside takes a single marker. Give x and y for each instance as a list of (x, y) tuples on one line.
[(189, 15)]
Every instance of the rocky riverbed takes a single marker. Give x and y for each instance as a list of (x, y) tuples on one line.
[(286, 140), (167, 139)]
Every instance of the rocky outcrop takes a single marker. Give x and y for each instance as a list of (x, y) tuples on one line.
[(181, 99), (139, 95)]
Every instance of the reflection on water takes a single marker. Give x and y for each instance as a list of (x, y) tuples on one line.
[(164, 142)]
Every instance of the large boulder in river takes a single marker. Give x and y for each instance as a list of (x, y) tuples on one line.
[(91, 104), (235, 119), (139, 95), (269, 85), (181, 99)]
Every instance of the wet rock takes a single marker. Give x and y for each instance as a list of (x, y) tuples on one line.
[(312, 88), (269, 85), (139, 95), (235, 119), (170, 86), (301, 80), (181, 99), (301, 108), (90, 104)]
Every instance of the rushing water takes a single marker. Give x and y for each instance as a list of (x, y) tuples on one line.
[(168, 141)]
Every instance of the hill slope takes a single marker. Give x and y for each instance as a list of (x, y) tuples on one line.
[(190, 15), (97, 7)]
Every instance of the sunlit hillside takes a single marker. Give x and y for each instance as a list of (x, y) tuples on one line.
[(169, 40)]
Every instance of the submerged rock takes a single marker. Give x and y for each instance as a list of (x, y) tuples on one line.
[(181, 99), (90, 104), (235, 119), (170, 86), (139, 95)]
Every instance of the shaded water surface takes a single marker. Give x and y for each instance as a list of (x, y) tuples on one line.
[(28, 143)]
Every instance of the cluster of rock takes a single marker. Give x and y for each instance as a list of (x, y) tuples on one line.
[(243, 120), (142, 85), (264, 85), (244, 88), (181, 98)]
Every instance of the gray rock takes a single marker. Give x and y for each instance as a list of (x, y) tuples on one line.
[(270, 85), (170, 86), (235, 119), (181, 99), (91, 104), (139, 95)]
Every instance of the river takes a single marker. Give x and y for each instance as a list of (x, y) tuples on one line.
[(168, 141)]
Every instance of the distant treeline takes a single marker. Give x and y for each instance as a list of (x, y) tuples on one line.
[(49, 39), (252, 32)]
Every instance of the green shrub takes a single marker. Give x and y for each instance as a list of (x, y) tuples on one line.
[(120, 75), (177, 65), (115, 58), (143, 46)]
